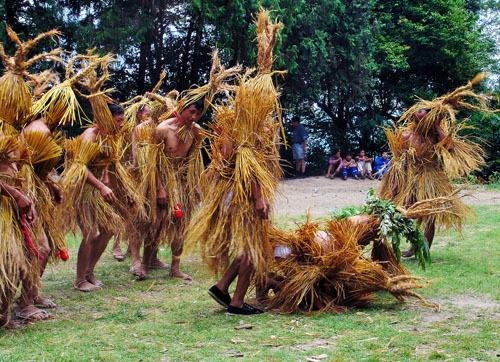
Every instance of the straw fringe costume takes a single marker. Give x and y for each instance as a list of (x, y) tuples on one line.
[(227, 224), (326, 270), (13, 261), (18, 90), (423, 172), (180, 176), (45, 153), (105, 155)]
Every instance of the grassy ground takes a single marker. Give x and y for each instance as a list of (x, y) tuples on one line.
[(161, 319)]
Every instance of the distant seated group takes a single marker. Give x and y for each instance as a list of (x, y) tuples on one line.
[(359, 167)]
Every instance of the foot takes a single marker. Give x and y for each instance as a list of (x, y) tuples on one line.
[(93, 280), (12, 325), (158, 264), (30, 313), (118, 255), (223, 298), (344, 178), (370, 177), (356, 177), (85, 286), (138, 270), (180, 275), (246, 309), (43, 302)]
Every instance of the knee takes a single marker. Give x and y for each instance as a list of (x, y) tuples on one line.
[(244, 261)]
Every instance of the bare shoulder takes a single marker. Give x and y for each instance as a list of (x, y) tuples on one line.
[(197, 129), (37, 126), (90, 134)]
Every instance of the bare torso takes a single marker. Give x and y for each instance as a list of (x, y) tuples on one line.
[(168, 133)]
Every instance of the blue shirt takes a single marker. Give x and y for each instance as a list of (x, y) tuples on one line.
[(299, 134), (380, 162)]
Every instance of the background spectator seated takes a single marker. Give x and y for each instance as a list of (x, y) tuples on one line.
[(334, 165), (364, 164), (349, 168), (381, 165)]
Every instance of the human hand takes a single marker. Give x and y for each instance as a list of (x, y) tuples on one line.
[(107, 194), (26, 207), (57, 193), (262, 208)]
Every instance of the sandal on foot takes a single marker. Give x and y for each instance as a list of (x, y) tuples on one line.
[(157, 264), (245, 310), (31, 313), (93, 280), (44, 302), (85, 286), (118, 256), (220, 297), (138, 270)]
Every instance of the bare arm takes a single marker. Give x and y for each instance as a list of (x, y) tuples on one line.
[(24, 203), (53, 185), (161, 193), (261, 204), (134, 146), (90, 135)]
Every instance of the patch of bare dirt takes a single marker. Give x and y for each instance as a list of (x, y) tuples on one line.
[(475, 303), (320, 195)]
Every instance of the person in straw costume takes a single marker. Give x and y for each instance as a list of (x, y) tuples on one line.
[(100, 192), (429, 152), (171, 180), (55, 108), (16, 212), (321, 267), (18, 89), (232, 224), (142, 114)]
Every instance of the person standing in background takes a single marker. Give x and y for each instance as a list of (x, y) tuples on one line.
[(299, 146)]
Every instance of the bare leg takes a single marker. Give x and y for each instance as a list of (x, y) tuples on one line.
[(245, 272), (98, 246), (229, 275), (329, 173), (303, 166), (430, 231), (26, 309), (117, 252), (175, 271), (44, 250)]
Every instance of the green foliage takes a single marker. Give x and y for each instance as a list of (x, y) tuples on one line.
[(394, 226), (352, 66)]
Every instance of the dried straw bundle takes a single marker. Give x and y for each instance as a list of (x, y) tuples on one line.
[(93, 82), (15, 93), (327, 272), (218, 82), (41, 82), (59, 106), (12, 258), (130, 201)]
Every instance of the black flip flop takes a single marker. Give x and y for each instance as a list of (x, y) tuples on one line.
[(220, 297), (247, 309)]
